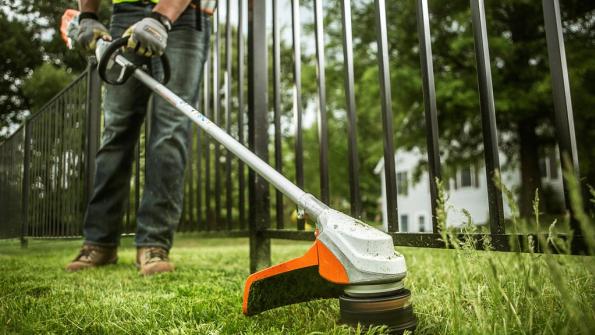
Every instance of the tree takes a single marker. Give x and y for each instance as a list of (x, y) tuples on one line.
[(46, 81), (520, 69), (30, 36), (20, 51)]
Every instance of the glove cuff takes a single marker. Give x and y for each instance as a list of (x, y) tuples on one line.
[(88, 15), (165, 22)]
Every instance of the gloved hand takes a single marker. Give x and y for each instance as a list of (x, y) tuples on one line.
[(90, 30), (148, 37)]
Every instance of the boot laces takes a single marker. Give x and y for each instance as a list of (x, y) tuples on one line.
[(155, 255), (85, 254)]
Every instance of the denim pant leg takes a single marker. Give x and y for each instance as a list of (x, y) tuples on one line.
[(124, 110), (161, 205)]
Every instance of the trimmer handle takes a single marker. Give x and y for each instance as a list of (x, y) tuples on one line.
[(111, 51)]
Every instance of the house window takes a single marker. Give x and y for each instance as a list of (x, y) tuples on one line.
[(466, 179), (404, 223), (422, 223), (402, 184)]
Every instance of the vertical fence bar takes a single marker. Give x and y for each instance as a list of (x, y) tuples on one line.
[(33, 172), (561, 96), (260, 246), (277, 119), (217, 112), (26, 183), (33, 205), (190, 182), (208, 113), (40, 173), (81, 159), (199, 216), (58, 161), (62, 191), (354, 190), (240, 60), (50, 169), (387, 117), (55, 163), (49, 155), (137, 178), (67, 189), (70, 183), (46, 180), (59, 145), (322, 115), (488, 116), (62, 107), (297, 98), (431, 112), (228, 77)]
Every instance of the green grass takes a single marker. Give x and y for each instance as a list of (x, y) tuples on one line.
[(454, 292)]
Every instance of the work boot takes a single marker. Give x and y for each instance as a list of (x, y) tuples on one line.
[(152, 260), (92, 256)]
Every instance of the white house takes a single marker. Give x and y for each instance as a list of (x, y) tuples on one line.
[(467, 190)]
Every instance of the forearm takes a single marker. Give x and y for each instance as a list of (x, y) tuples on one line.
[(89, 5), (171, 8)]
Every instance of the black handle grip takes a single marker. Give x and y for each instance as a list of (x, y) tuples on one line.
[(110, 51)]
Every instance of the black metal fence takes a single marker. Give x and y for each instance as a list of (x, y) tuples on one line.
[(45, 166), (57, 144), (11, 185)]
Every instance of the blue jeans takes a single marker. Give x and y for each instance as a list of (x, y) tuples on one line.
[(124, 111)]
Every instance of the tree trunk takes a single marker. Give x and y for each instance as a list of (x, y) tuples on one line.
[(530, 175)]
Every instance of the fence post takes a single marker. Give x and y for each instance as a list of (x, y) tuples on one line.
[(93, 125), (259, 221), (488, 116), (387, 118), (26, 184), (564, 119)]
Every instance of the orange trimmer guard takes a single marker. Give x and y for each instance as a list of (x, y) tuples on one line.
[(317, 274)]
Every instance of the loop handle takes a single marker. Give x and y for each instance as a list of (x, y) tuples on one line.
[(111, 50)]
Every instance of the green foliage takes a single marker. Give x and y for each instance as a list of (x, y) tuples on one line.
[(29, 31), (20, 55), (45, 82), (521, 81)]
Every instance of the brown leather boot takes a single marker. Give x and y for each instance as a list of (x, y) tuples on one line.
[(92, 256), (152, 260)]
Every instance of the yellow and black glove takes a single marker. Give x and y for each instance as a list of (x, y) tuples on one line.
[(90, 30), (148, 37)]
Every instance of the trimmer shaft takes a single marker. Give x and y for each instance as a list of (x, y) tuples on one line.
[(392, 309)]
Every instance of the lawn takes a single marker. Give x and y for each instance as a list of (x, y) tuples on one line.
[(454, 292)]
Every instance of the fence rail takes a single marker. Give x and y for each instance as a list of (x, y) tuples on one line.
[(51, 158)]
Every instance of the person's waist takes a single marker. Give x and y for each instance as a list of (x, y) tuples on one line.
[(135, 2), (205, 6)]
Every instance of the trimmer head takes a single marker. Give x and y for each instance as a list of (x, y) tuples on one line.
[(393, 310), (350, 261)]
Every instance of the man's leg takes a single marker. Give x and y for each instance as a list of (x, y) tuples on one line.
[(161, 206), (124, 110)]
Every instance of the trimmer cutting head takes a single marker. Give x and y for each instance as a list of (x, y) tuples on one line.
[(393, 310), (350, 261)]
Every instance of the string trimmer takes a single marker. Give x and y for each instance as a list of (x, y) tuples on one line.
[(349, 259)]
